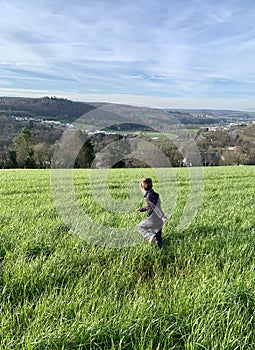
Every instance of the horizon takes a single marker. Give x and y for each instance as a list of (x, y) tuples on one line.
[(163, 108)]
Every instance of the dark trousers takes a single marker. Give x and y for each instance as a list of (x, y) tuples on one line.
[(159, 239)]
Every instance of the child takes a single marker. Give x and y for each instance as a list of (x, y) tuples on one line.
[(151, 228)]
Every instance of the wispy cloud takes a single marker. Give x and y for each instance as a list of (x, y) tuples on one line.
[(198, 49)]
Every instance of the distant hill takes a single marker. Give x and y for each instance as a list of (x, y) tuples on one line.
[(46, 108), (98, 116), (210, 116), (67, 111)]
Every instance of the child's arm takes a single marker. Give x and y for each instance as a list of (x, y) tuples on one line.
[(140, 210)]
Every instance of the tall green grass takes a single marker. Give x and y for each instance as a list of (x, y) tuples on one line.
[(59, 292)]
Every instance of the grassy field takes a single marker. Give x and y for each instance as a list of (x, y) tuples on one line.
[(59, 292)]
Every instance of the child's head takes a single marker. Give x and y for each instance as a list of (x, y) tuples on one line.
[(146, 184)]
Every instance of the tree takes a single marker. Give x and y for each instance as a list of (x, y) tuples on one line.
[(24, 147), (86, 155), (75, 150), (231, 157), (8, 158), (170, 150), (43, 154)]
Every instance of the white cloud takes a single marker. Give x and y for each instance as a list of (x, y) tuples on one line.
[(189, 49)]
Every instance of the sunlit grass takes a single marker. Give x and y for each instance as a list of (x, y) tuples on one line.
[(59, 292)]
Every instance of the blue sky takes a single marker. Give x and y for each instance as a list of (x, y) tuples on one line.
[(176, 54)]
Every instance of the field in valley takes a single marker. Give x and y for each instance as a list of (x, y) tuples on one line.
[(61, 291)]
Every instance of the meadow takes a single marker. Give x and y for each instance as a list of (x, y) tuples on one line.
[(59, 291)]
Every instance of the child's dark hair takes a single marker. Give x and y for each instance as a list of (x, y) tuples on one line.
[(146, 183)]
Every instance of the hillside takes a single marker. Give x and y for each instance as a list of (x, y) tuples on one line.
[(44, 132), (46, 107), (99, 115), (211, 116)]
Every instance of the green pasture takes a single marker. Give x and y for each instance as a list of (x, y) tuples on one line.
[(57, 291)]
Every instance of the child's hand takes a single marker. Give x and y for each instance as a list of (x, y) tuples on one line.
[(138, 210), (164, 219)]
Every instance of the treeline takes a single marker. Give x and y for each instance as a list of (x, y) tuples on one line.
[(27, 152), (103, 150)]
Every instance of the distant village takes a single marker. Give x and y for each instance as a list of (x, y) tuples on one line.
[(223, 125), (43, 121)]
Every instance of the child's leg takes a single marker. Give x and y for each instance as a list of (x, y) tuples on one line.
[(146, 228), (159, 238)]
